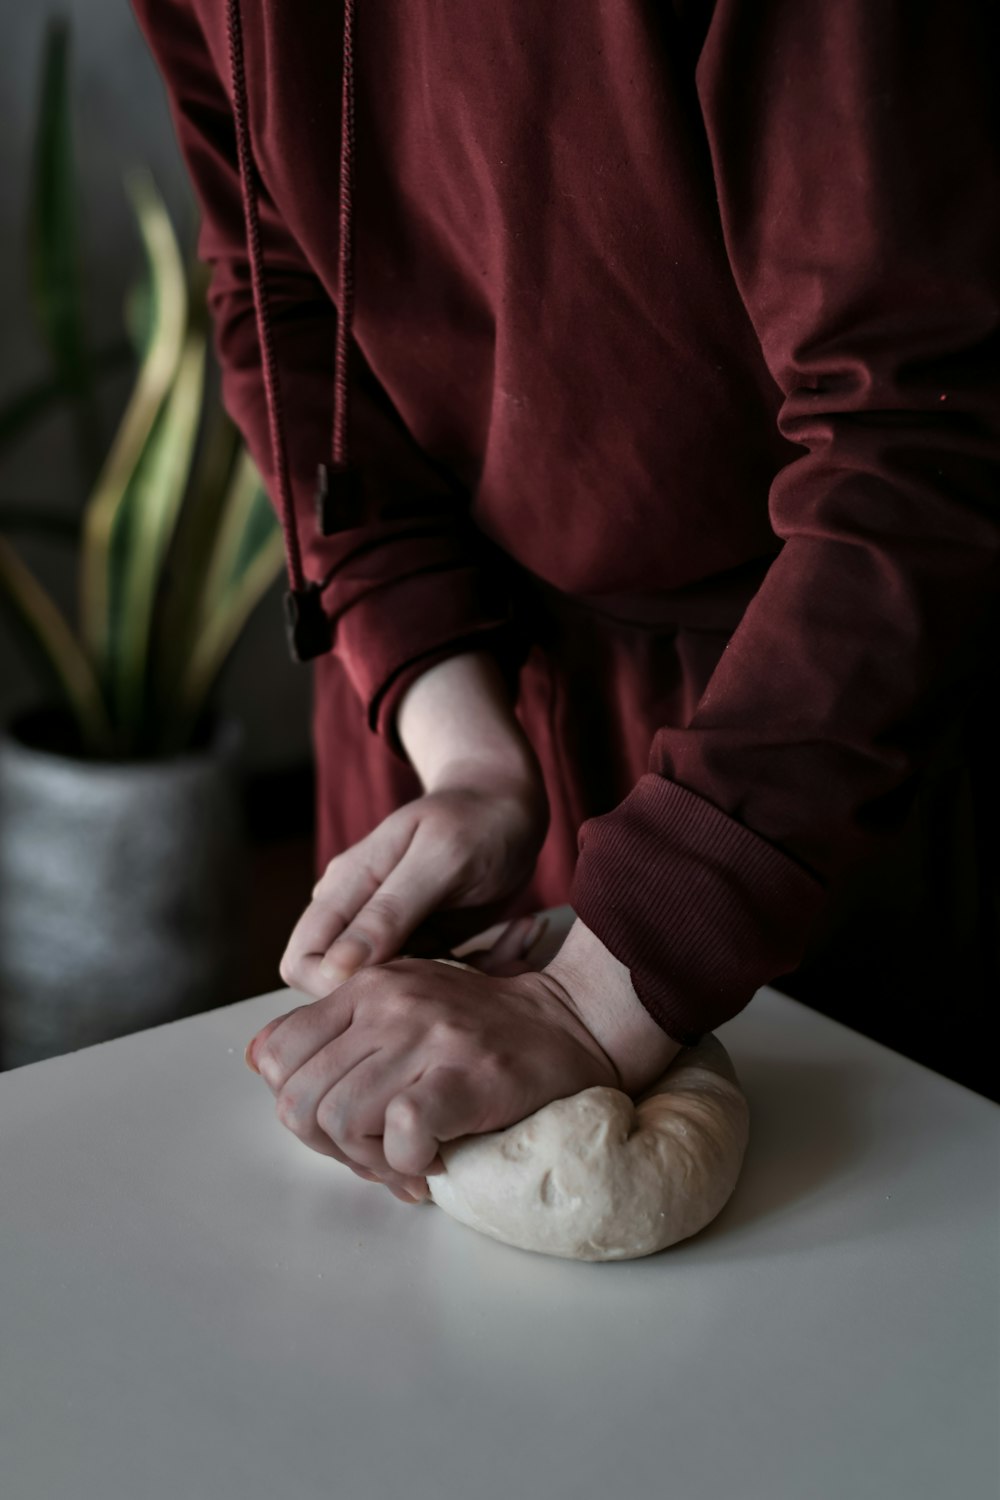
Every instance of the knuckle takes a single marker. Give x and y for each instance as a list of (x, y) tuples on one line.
[(396, 1005), (334, 868), (492, 1067), (332, 1120), (365, 984), (370, 992), (352, 1139), (323, 884), (448, 1035), (483, 1072), (378, 1000), (406, 1111), (287, 1110), (442, 833), (454, 844), (380, 917), (335, 917)]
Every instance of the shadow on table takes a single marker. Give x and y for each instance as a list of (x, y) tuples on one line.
[(808, 1134)]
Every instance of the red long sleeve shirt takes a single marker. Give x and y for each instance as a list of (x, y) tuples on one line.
[(642, 295)]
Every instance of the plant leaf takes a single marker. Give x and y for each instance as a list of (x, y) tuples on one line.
[(47, 634), (177, 621), (138, 315), (247, 557), (158, 368), (147, 517)]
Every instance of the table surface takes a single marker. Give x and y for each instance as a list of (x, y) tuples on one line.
[(196, 1305)]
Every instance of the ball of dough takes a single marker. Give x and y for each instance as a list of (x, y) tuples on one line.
[(598, 1177)]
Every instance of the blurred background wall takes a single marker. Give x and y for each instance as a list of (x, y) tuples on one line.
[(121, 119)]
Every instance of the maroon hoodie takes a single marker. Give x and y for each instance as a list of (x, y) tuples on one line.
[(634, 300)]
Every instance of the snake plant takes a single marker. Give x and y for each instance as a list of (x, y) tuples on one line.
[(177, 538)]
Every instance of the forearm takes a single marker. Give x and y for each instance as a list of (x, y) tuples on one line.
[(457, 719), (601, 992)]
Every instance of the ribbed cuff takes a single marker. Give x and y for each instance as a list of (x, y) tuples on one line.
[(700, 909)]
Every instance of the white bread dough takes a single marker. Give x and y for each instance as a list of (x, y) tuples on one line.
[(596, 1177)]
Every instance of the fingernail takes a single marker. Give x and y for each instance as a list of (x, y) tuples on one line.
[(346, 955), (248, 1057)]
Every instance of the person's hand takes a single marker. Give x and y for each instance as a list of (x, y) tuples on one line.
[(512, 951), (404, 1056), (435, 872), (411, 1054)]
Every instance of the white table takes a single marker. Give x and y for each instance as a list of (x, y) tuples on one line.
[(195, 1306)]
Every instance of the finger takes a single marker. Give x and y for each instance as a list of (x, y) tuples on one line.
[(442, 1105), (404, 1197), (346, 885), (534, 937), (260, 1037), (522, 962), (406, 1188), (509, 948), (352, 1116), (319, 926), (325, 1147), (345, 1120), (409, 893), (424, 929), (349, 874), (515, 937), (279, 1066), (294, 1039)]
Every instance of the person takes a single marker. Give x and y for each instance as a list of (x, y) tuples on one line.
[(625, 379)]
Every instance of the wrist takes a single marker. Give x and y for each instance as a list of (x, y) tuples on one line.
[(457, 725), (600, 989)]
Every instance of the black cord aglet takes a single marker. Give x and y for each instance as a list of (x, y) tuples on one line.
[(339, 498), (307, 625)]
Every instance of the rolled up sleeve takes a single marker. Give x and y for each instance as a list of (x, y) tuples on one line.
[(855, 152)]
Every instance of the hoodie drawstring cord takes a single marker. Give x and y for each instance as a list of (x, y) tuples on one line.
[(345, 256), (338, 499)]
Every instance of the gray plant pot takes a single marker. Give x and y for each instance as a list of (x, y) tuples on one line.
[(122, 886)]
